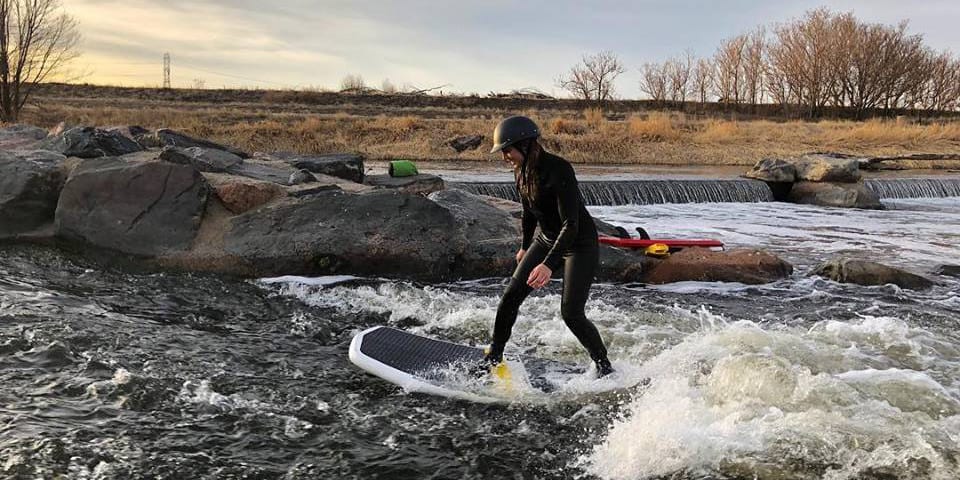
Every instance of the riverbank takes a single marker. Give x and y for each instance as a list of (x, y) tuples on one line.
[(421, 129)]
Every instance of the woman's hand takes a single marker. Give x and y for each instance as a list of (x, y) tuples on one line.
[(539, 276), (520, 254)]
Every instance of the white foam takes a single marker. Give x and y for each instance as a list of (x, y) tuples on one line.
[(738, 398), (312, 281)]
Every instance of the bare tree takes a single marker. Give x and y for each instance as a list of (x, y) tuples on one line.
[(653, 81), (387, 86), (593, 78), (942, 90), (801, 57), (754, 65), (678, 71), (352, 82), (37, 42), (702, 78), (728, 62)]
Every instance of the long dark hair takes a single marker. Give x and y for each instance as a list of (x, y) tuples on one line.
[(527, 175)]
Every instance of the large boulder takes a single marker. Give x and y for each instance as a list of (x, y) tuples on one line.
[(202, 159), (90, 142), (166, 137), (30, 183), (827, 168), (142, 208), (863, 272), (490, 235), (844, 195), (773, 170), (342, 165), (331, 232), (422, 184), (21, 137), (700, 264)]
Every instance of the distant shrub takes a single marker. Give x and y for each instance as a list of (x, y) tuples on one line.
[(594, 117), (655, 127), (720, 131), (562, 126)]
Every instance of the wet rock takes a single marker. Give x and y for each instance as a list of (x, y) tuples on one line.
[(30, 183), (949, 270), (700, 264), (300, 177), (21, 137), (422, 184), (239, 194), (341, 165), (827, 168), (465, 142), (384, 232), (863, 272), (90, 142), (843, 195), (203, 159), (773, 170), (142, 208), (166, 137)]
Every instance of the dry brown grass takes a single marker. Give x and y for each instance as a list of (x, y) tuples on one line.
[(720, 131), (580, 136), (656, 127)]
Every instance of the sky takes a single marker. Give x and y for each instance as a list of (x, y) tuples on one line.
[(469, 46)]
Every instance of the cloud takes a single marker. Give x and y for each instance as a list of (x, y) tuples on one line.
[(475, 46)]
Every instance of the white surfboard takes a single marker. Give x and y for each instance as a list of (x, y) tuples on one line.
[(437, 367)]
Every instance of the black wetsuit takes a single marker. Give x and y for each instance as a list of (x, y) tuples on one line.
[(568, 238)]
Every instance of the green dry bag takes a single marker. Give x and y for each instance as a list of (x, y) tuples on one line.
[(402, 168)]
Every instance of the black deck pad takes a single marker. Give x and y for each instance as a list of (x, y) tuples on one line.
[(436, 360)]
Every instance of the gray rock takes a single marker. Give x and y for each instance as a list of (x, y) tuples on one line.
[(341, 165), (20, 136), (378, 233), (30, 183), (465, 142), (203, 159), (90, 142), (267, 171), (949, 270), (827, 168), (844, 195), (423, 184), (165, 137), (300, 177), (142, 208), (863, 272), (479, 219), (773, 170), (133, 132)]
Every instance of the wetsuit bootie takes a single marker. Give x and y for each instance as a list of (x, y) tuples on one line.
[(492, 356), (603, 367)]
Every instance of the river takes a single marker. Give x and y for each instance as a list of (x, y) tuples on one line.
[(114, 372)]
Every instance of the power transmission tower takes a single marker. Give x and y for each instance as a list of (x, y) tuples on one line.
[(166, 70)]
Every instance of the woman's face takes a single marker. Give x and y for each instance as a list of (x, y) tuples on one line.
[(512, 156)]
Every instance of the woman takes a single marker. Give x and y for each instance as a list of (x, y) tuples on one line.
[(568, 239)]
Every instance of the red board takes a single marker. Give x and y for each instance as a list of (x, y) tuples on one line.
[(670, 242)]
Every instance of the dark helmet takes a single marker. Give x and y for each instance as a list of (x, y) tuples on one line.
[(512, 130)]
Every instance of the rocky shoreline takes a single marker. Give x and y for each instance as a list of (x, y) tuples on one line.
[(170, 201)]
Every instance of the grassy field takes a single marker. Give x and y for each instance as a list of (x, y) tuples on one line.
[(265, 122)]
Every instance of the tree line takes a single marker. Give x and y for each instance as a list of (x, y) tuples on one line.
[(823, 60)]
